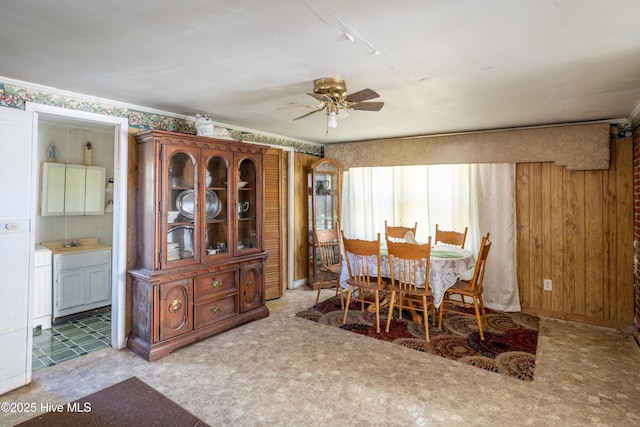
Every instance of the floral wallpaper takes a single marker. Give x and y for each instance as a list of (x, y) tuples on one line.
[(624, 130), (16, 96)]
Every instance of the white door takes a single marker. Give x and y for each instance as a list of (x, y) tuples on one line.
[(16, 247)]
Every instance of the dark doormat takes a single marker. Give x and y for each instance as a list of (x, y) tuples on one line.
[(128, 403)]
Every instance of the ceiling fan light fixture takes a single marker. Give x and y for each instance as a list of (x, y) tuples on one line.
[(332, 122)]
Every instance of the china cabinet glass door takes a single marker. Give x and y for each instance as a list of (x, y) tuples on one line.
[(246, 205), (217, 199), (323, 187), (180, 213)]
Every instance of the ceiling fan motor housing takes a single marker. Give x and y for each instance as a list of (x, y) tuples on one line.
[(331, 87)]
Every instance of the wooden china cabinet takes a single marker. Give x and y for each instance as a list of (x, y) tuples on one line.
[(200, 254)]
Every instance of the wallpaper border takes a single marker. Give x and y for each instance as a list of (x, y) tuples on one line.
[(14, 96)]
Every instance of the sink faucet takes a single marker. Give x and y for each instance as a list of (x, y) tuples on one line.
[(71, 243)]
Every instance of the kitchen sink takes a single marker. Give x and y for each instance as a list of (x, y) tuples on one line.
[(76, 249), (88, 244)]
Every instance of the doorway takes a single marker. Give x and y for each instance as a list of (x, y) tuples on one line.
[(116, 129)]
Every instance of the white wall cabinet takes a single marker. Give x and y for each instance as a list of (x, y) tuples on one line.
[(72, 189), (95, 184)]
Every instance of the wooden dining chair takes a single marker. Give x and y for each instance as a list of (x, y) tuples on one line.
[(409, 286), (398, 233), (469, 289), (329, 249), (451, 238), (363, 263)]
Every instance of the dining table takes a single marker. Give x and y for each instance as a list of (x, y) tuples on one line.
[(446, 265)]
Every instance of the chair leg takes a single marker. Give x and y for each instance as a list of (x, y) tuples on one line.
[(340, 291), (425, 313), (478, 318), (484, 313), (377, 297), (320, 287), (346, 306), (433, 312), (390, 315)]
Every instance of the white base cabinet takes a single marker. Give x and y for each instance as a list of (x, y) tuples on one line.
[(81, 282), (42, 288)]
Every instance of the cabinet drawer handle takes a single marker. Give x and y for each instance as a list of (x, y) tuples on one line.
[(175, 306), (215, 283), (215, 309), (249, 283)]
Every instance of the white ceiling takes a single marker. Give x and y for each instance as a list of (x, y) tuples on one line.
[(440, 66)]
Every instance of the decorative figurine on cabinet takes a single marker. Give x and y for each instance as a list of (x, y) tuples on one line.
[(204, 126), (88, 161), (52, 152)]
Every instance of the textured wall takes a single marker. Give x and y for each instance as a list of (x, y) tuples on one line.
[(578, 147)]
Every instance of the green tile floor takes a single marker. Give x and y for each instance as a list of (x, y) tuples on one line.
[(72, 339)]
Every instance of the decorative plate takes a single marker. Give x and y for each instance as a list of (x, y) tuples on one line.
[(446, 254), (186, 204)]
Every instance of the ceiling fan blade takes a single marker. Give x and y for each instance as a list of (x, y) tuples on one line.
[(368, 106), (308, 114), (319, 96), (362, 95), (289, 107), (342, 114)]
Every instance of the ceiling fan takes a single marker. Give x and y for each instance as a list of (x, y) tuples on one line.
[(332, 94)]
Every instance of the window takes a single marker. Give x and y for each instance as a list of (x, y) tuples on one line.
[(478, 196)]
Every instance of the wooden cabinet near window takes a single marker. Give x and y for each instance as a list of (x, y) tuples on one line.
[(200, 251), (324, 186)]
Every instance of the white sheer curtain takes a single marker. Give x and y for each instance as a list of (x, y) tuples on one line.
[(480, 196)]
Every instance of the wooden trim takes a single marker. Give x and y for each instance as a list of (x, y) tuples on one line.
[(575, 318)]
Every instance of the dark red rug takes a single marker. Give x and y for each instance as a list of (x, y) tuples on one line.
[(509, 347)]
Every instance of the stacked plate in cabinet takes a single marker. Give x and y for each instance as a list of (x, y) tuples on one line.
[(173, 251)]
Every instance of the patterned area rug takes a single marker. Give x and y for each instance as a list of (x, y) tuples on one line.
[(509, 347)]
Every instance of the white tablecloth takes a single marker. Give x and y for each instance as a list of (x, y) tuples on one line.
[(447, 264)]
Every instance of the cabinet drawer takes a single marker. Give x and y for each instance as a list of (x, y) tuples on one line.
[(80, 260), (216, 310), (214, 283)]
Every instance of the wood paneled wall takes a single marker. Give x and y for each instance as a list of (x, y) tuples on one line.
[(576, 228)]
